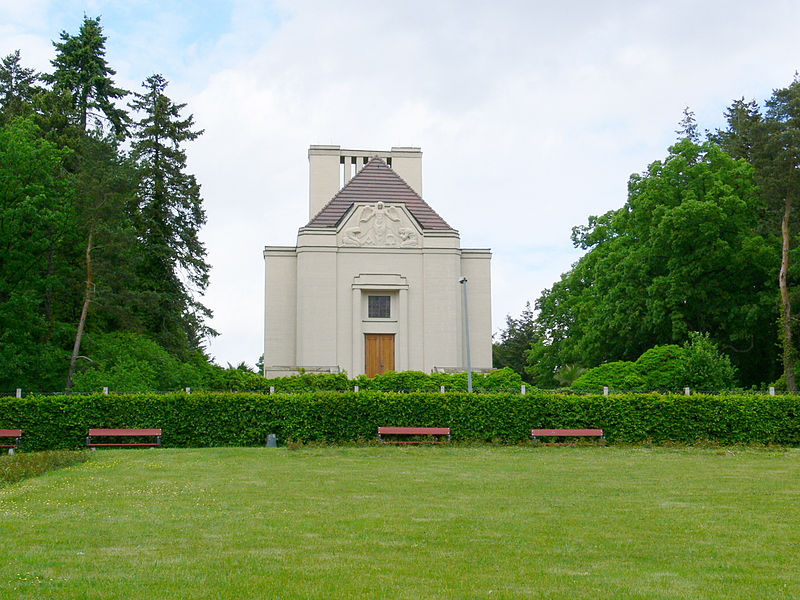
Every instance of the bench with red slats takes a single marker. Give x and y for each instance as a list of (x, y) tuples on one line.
[(559, 433), (11, 433), (123, 433), (406, 431)]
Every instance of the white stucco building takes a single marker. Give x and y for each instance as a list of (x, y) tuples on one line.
[(373, 282)]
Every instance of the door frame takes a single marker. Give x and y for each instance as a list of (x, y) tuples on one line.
[(366, 284)]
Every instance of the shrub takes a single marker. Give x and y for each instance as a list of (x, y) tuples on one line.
[(698, 365), (703, 366), (567, 375), (661, 367), (618, 375), (505, 379), (130, 362)]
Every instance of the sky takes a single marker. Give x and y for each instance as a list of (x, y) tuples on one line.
[(531, 115)]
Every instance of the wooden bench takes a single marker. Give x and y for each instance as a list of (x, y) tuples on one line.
[(11, 433), (557, 433), (429, 431), (120, 433)]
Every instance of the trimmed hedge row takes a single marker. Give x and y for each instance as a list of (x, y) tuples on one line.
[(245, 419), (498, 380)]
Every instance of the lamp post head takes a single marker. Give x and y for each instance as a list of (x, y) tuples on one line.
[(462, 280)]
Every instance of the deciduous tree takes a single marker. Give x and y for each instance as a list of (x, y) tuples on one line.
[(684, 254), (515, 342), (771, 142)]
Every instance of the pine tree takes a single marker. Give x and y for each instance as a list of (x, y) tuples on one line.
[(17, 87), (81, 71), (168, 218), (687, 127)]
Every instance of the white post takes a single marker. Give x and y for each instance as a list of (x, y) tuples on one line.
[(19, 392), (687, 391), (771, 391), (272, 389), (188, 390), (605, 390), (523, 390), (441, 389), (355, 389), (105, 391)]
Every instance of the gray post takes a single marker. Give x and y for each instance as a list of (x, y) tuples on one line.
[(272, 441), (105, 391), (523, 390), (19, 392), (687, 391), (463, 282), (605, 390), (771, 391)]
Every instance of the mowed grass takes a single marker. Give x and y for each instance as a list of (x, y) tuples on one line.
[(390, 522)]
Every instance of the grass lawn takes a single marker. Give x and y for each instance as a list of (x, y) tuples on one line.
[(389, 522)]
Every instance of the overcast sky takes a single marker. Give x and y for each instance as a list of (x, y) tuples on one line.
[(531, 115)]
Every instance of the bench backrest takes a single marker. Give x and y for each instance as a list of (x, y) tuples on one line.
[(123, 432), (566, 432), (414, 430), (10, 432)]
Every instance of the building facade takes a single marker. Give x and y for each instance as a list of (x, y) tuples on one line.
[(374, 282)]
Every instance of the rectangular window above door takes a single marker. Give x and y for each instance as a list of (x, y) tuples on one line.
[(379, 307)]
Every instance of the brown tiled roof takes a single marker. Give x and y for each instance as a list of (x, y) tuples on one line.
[(376, 181)]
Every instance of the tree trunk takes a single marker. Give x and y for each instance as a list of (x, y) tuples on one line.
[(87, 298), (786, 313)]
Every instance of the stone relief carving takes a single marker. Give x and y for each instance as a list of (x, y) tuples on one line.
[(379, 226)]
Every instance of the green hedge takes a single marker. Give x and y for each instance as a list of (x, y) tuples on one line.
[(244, 419), (498, 380)]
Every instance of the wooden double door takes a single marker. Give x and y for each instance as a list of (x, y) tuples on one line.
[(379, 352)]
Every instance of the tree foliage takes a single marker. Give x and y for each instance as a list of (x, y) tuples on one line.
[(771, 142), (17, 88), (168, 217), (82, 73), (98, 243), (36, 214), (684, 254), (698, 365), (515, 342)]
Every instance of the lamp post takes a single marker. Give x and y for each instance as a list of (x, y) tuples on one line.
[(463, 282)]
